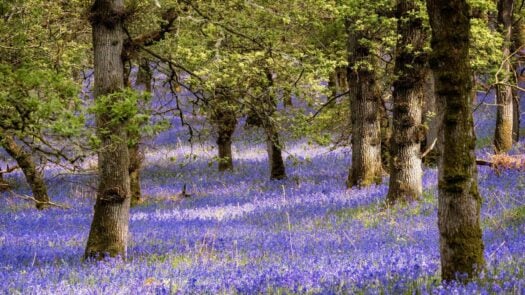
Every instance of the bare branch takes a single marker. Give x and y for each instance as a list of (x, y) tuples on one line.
[(29, 198)]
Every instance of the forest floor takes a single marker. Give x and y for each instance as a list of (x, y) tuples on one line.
[(240, 233)]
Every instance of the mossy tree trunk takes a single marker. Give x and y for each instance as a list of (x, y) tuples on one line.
[(365, 98), (504, 97), (410, 69), (459, 203), (34, 178), (224, 119), (109, 230)]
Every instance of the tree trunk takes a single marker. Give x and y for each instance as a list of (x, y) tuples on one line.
[(432, 118), (365, 101), (410, 69), (274, 146), (34, 178), (136, 155), (225, 121), (277, 168), (459, 201), (504, 115), (518, 40), (109, 229), (516, 121)]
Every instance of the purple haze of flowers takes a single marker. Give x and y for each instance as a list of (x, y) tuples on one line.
[(240, 233)]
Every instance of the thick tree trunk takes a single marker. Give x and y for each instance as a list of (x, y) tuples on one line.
[(225, 121), (410, 68), (459, 202), (109, 229), (365, 98), (503, 132), (34, 178)]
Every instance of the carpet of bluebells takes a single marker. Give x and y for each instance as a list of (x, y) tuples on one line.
[(240, 233)]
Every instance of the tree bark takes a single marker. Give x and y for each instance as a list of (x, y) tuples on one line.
[(365, 98), (432, 118), (459, 203), (277, 168), (225, 121), (410, 68), (34, 178), (274, 145), (518, 41), (109, 229), (504, 115), (136, 155)]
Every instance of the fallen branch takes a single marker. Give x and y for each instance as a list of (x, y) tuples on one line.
[(29, 198), (503, 161)]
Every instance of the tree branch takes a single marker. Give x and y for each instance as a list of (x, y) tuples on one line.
[(29, 198)]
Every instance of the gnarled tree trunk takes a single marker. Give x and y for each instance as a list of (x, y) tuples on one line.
[(459, 202), (365, 98), (34, 178), (410, 68), (109, 229), (504, 115)]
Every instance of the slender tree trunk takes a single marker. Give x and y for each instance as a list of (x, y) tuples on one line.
[(225, 120), (34, 178), (459, 202), (136, 155), (287, 99), (518, 41), (432, 118), (274, 145), (503, 132), (516, 118), (386, 123), (277, 168), (410, 68), (365, 98), (109, 229)]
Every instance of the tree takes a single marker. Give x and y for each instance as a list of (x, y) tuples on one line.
[(224, 119), (459, 203), (40, 117), (518, 42), (504, 97), (109, 229), (34, 177), (365, 98), (409, 90)]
